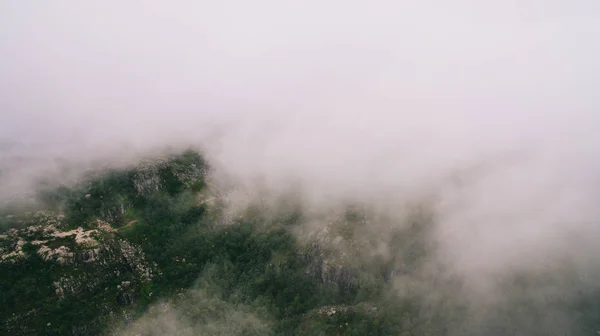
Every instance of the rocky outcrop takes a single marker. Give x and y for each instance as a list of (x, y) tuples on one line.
[(327, 269), (150, 177), (107, 255), (69, 261)]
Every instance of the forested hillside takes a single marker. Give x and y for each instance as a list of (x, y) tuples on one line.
[(151, 250), (105, 251)]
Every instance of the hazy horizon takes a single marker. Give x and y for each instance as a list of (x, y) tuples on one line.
[(487, 111)]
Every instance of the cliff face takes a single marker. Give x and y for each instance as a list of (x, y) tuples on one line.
[(329, 269), (75, 254)]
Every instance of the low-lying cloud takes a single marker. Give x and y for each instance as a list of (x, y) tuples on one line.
[(487, 112)]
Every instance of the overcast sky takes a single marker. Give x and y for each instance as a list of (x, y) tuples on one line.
[(382, 100), (122, 70)]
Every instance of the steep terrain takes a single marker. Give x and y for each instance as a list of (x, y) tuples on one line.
[(100, 254), (151, 250)]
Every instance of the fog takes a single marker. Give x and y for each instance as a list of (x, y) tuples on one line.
[(487, 111)]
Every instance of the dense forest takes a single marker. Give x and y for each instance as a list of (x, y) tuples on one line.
[(152, 250)]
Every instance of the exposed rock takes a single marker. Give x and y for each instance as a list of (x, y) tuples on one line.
[(16, 254), (81, 236), (33, 228), (364, 308), (126, 298), (328, 269), (61, 254), (147, 179), (136, 260), (66, 285), (104, 226), (90, 255)]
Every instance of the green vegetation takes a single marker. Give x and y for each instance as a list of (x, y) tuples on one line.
[(254, 262), (153, 240)]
